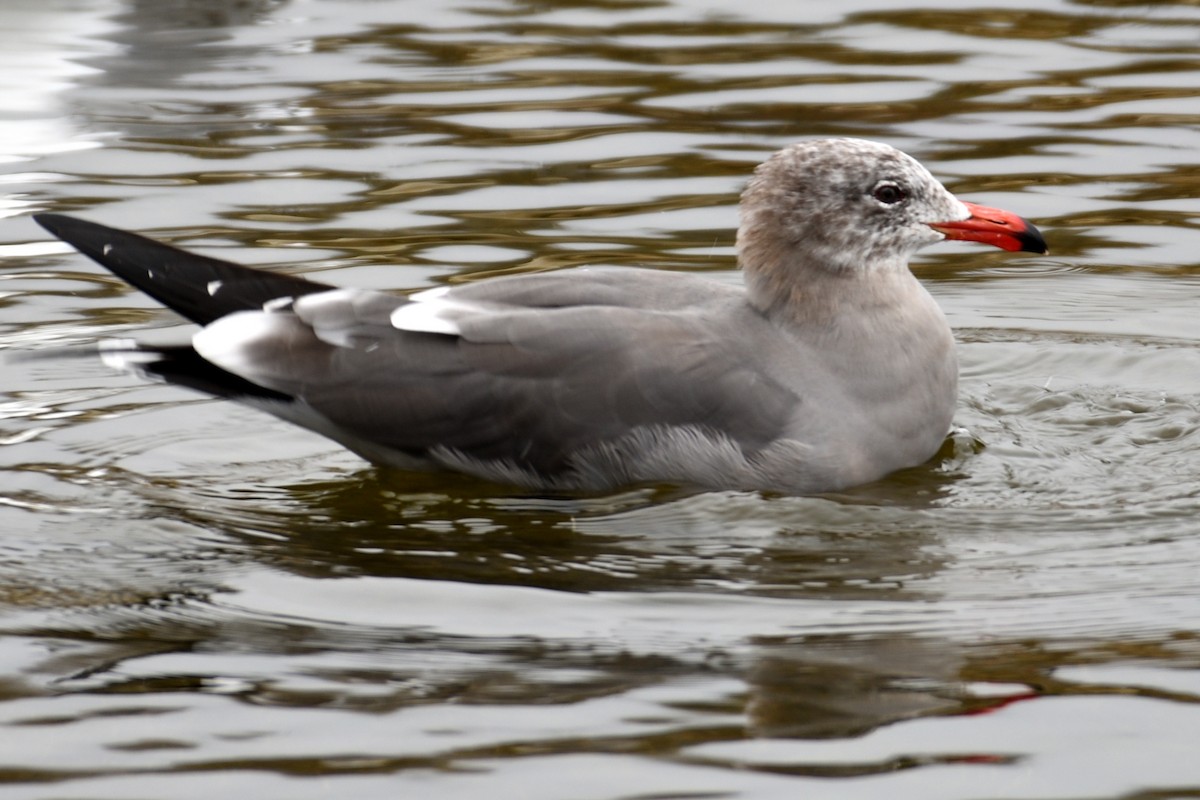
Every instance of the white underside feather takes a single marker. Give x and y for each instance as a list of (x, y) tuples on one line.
[(226, 341)]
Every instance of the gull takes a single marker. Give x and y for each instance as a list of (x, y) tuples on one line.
[(830, 367)]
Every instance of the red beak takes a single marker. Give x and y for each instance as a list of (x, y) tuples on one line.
[(994, 226)]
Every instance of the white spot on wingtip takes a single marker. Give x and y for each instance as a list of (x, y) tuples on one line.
[(277, 304), (213, 287), (108, 249)]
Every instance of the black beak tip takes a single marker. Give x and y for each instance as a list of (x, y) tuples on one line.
[(1031, 240)]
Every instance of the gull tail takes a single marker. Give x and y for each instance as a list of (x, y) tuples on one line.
[(180, 365), (201, 289)]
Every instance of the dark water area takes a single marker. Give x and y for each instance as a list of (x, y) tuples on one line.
[(199, 601)]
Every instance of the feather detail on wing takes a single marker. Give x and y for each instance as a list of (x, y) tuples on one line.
[(531, 387)]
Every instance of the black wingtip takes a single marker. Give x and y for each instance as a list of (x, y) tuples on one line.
[(64, 226), (50, 221), (198, 287), (90, 238), (58, 225)]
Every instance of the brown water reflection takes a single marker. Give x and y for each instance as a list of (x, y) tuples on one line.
[(196, 601)]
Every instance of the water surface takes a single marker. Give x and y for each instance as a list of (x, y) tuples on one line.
[(196, 600)]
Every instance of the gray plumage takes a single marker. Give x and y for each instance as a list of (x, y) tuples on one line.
[(833, 367)]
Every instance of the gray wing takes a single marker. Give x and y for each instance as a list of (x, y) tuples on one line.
[(619, 287), (527, 370)]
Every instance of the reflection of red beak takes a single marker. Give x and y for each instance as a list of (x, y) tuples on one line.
[(994, 226)]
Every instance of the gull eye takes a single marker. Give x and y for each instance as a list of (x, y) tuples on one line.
[(889, 193)]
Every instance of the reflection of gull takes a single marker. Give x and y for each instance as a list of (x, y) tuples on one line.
[(154, 79), (181, 17), (41, 48), (832, 367)]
